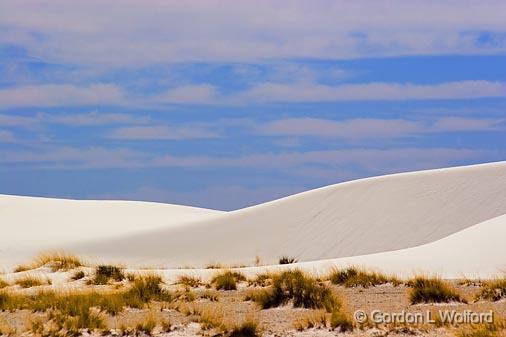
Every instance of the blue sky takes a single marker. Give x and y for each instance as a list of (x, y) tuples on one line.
[(225, 104)]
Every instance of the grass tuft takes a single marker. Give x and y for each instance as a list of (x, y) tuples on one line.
[(287, 260), (354, 277), (493, 290), (54, 260), (227, 280), (78, 275), (146, 327), (31, 281), (106, 273), (341, 321), (261, 280), (304, 291), (3, 284), (189, 281), (248, 328), (431, 290)]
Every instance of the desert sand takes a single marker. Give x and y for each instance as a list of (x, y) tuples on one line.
[(445, 221)]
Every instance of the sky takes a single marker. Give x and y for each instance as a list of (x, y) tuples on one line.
[(226, 104)]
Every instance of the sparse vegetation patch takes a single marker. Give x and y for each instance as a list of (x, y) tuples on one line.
[(227, 280), (493, 290), (106, 273), (354, 277), (431, 290)]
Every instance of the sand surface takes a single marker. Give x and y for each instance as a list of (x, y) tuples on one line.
[(390, 222)]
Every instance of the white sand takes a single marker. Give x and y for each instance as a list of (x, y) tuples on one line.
[(354, 218), (362, 217), (30, 225)]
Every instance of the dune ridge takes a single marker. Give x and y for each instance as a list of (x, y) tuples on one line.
[(376, 221)]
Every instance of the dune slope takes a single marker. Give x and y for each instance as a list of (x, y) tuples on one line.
[(33, 224), (355, 218)]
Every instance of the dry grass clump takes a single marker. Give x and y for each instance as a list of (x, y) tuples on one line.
[(189, 281), (340, 320), (482, 330), (314, 319), (56, 261), (248, 328), (432, 290), (78, 275), (227, 280), (303, 290), (106, 273), (3, 284), (261, 280), (287, 260), (146, 326), (354, 277), (143, 291), (31, 281), (493, 290)]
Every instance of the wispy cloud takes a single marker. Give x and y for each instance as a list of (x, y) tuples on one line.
[(161, 132), (258, 30), (54, 95)]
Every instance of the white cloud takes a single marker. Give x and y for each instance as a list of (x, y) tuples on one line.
[(161, 132), (52, 95), (190, 94), (312, 92), (135, 33)]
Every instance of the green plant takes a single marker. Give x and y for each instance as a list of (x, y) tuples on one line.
[(493, 290), (431, 290), (248, 328), (287, 260), (303, 290)]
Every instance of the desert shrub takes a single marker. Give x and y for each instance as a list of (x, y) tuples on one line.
[(493, 290), (105, 273), (287, 260), (316, 319), (145, 289), (353, 277), (248, 328), (339, 320), (303, 290), (189, 281), (209, 296), (431, 290), (31, 281), (3, 284), (227, 280), (146, 327), (261, 280), (480, 331), (56, 261), (78, 275)]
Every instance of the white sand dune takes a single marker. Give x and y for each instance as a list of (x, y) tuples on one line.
[(355, 218), (31, 224)]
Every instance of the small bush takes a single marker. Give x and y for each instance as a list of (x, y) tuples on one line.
[(3, 284), (106, 273), (146, 327), (78, 275), (189, 281), (305, 292), (56, 261), (145, 289), (30, 281), (246, 329), (261, 280), (227, 280), (339, 320), (353, 277), (431, 290), (287, 260), (493, 291)]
